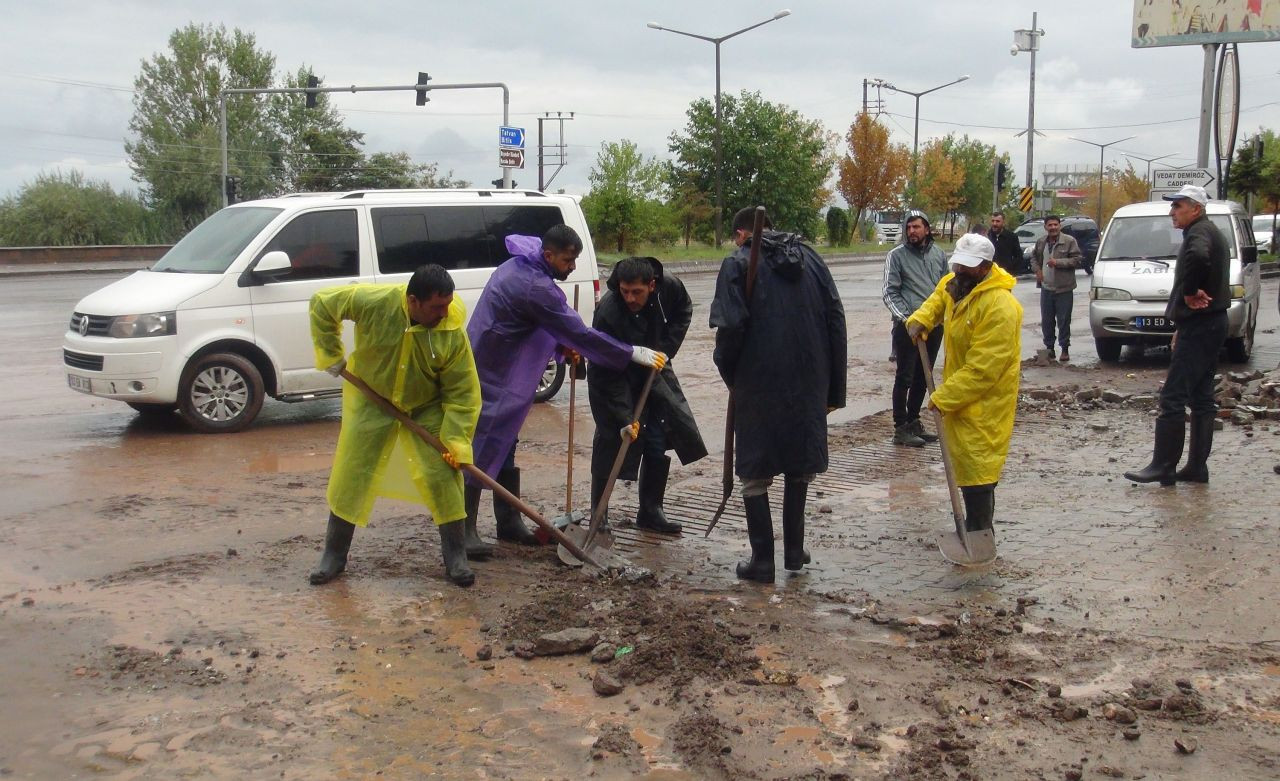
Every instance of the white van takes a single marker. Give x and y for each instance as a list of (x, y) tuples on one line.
[(1134, 273), (221, 321)]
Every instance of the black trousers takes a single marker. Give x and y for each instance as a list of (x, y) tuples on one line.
[(1191, 367), (908, 380)]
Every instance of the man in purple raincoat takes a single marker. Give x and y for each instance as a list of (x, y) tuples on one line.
[(521, 319)]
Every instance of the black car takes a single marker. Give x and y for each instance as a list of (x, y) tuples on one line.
[(1083, 229)]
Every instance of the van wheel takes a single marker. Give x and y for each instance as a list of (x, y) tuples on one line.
[(550, 382), (1240, 348), (1108, 349), (220, 393), (152, 410)]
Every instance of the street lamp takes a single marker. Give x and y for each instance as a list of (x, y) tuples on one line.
[(1148, 161), (915, 136), (717, 42), (1029, 41), (1102, 150)]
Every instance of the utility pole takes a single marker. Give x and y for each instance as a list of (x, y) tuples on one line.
[(1029, 41), (561, 154)]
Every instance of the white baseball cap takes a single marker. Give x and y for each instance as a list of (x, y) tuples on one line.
[(1190, 192), (972, 250)]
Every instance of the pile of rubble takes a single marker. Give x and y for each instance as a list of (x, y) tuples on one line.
[(1076, 397), (1246, 396)]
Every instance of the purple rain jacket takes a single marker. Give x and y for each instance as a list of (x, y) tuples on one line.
[(520, 319)]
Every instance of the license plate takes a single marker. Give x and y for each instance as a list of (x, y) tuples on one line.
[(82, 384), (1152, 324)]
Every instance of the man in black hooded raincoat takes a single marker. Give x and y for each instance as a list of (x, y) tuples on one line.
[(643, 306), (782, 354)]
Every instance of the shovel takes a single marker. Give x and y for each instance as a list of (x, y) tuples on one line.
[(431, 439), (593, 538), (963, 547)]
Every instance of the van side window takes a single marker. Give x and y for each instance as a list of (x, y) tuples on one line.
[(320, 245), (455, 237)]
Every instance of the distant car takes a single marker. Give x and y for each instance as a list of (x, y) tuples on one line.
[(1082, 229), (1263, 227)]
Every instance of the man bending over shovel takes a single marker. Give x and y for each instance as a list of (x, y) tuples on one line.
[(411, 349), (979, 391), (647, 306)]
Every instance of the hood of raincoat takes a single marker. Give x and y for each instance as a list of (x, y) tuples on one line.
[(527, 250), (783, 252)]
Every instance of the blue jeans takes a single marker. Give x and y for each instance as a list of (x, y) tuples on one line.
[(1055, 309)]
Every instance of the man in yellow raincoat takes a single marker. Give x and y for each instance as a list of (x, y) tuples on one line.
[(412, 349), (978, 397)]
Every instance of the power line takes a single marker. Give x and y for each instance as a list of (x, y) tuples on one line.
[(1075, 129)]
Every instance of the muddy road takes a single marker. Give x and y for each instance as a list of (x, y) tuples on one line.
[(155, 620)]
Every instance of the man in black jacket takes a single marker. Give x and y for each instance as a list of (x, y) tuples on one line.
[(1008, 249), (782, 353), (1198, 303), (648, 307)]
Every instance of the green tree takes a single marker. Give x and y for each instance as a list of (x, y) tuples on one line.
[(321, 153), (691, 208), (175, 121), (59, 209), (772, 156), (1259, 176), (626, 190), (873, 171), (398, 171), (1120, 186), (941, 182), (978, 161), (837, 226)]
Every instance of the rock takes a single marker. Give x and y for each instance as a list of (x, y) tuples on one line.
[(1149, 703), (1240, 417), (1132, 734), (232, 552), (1180, 703), (28, 601), (484, 653), (824, 509), (1112, 772), (1276, 469), (853, 706), (1114, 397), (1089, 394), (1142, 399), (865, 743), (1074, 775), (1218, 424), (1186, 745), (603, 652), (1099, 427), (523, 649), (1055, 691), (566, 641), (1118, 713), (1043, 394), (605, 684)]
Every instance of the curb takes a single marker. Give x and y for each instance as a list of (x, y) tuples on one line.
[(48, 271)]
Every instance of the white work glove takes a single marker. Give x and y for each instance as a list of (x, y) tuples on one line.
[(649, 358), (336, 369)]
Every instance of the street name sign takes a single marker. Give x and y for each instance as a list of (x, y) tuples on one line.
[(510, 158), (1174, 178), (510, 137)]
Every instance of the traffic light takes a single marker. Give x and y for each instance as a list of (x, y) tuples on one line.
[(421, 94), (312, 83), (233, 189), (1002, 175)]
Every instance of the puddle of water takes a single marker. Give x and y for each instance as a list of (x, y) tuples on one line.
[(1108, 681), (291, 462), (797, 734), (645, 738)]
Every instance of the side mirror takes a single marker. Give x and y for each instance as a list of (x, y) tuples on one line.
[(1248, 255), (273, 265)]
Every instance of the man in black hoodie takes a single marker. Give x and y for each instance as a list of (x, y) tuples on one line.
[(783, 355), (648, 307)]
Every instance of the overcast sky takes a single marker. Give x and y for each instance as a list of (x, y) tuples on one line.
[(67, 70)]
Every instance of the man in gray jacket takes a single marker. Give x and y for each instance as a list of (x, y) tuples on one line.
[(1055, 259), (911, 272)]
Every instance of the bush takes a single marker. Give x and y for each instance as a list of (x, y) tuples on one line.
[(837, 226), (60, 209)]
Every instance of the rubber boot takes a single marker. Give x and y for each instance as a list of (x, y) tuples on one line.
[(904, 435), (979, 512), (597, 491), (917, 428), (477, 549), (652, 490), (760, 531), (1201, 442), (337, 542), (1164, 460), (510, 527), (794, 556), (454, 547)]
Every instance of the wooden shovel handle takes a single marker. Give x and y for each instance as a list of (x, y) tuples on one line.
[(957, 505)]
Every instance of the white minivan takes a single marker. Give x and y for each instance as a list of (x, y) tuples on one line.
[(1134, 273), (221, 321)]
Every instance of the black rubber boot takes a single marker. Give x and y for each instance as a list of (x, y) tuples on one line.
[(510, 527), (337, 542), (760, 531), (917, 427), (794, 556), (1197, 468), (477, 548), (1168, 449), (979, 507), (454, 547), (652, 490), (597, 491)]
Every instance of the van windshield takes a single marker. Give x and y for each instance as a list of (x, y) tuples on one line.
[(213, 244), (1153, 237)]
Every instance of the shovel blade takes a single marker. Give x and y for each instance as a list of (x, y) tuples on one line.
[(598, 549), (981, 549)]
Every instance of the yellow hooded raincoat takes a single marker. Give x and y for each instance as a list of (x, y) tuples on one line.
[(979, 391), (427, 372)]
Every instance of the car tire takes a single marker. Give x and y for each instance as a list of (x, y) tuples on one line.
[(550, 382), (152, 410), (220, 393), (1241, 347), (1108, 349)]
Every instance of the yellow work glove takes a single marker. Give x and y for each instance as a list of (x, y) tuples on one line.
[(650, 358), (451, 459), (631, 430)]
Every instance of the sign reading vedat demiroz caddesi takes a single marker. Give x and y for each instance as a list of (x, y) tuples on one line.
[(1181, 22)]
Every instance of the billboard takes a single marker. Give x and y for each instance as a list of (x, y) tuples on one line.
[(1181, 22)]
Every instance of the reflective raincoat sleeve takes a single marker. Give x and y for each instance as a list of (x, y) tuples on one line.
[(460, 399), (934, 307), (985, 362), (729, 316), (329, 307), (551, 311)]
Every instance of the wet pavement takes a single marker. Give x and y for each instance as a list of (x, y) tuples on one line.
[(126, 538)]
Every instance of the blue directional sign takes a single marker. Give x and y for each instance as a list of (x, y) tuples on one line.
[(511, 137)]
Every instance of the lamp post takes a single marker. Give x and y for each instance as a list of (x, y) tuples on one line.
[(1148, 161), (915, 136), (717, 41), (1029, 41), (1102, 150)]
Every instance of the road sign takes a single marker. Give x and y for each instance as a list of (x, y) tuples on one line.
[(511, 137), (511, 158), (1025, 196), (1174, 178)]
